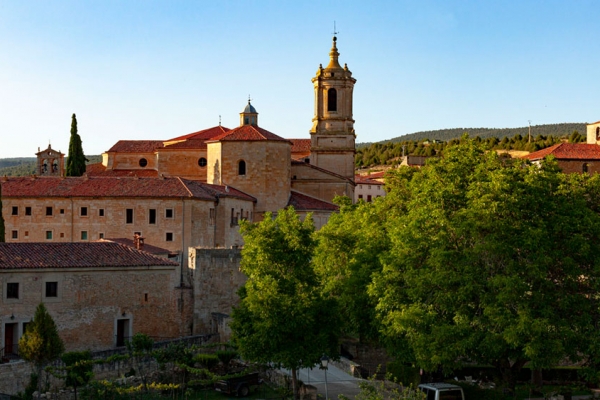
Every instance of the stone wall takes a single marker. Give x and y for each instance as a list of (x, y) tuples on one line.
[(216, 279), (576, 166)]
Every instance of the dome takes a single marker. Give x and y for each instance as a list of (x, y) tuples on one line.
[(249, 108)]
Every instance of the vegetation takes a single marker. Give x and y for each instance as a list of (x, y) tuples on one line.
[(283, 316), (78, 365), (40, 344), (390, 152), (28, 166), (76, 159)]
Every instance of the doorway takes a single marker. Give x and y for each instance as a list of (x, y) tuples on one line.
[(123, 332), (11, 339)]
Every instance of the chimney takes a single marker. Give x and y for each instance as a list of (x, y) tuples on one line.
[(138, 241)]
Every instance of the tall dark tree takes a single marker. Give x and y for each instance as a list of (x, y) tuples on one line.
[(76, 159), (2, 228)]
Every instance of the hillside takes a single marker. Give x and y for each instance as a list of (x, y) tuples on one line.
[(484, 133), (24, 166)]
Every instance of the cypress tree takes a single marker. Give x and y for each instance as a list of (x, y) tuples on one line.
[(2, 229), (75, 159)]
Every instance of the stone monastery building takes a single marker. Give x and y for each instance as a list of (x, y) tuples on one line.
[(182, 196)]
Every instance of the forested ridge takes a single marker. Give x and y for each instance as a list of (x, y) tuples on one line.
[(433, 143), (24, 166)]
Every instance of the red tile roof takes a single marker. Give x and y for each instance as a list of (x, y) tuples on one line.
[(196, 144), (366, 180), (115, 187), (136, 146), (76, 255), (100, 170), (248, 133), (148, 248), (204, 134), (568, 151), (300, 145), (302, 202)]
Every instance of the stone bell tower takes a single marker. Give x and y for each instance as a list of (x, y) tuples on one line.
[(50, 162), (332, 134)]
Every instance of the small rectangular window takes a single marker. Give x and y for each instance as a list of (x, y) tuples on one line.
[(26, 234), (49, 211), (15, 210), (101, 235), (368, 198), (27, 210), (15, 234), (169, 213), (360, 196), (12, 290), (62, 210), (84, 211), (62, 235), (51, 289), (212, 216), (84, 235), (152, 216), (48, 235), (101, 212), (169, 237), (233, 219), (129, 216)]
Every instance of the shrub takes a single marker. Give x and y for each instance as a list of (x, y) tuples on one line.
[(404, 374), (208, 361), (225, 356)]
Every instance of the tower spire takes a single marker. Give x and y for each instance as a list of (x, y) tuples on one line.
[(333, 56)]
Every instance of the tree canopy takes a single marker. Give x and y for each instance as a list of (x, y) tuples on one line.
[(491, 261), (283, 316), (75, 159)]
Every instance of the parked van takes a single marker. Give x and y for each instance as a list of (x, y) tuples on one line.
[(442, 391)]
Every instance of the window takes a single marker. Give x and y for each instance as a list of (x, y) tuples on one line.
[(51, 289), (62, 210), (598, 133), (212, 216), (48, 235), (62, 235), (83, 211), (143, 162), (101, 235), (129, 216), (152, 216), (585, 167), (101, 212), (15, 210), (368, 198), (202, 162), (27, 210), (233, 218), (84, 235), (169, 236), (26, 234), (49, 211), (360, 196), (15, 234), (12, 290), (332, 100), (242, 167), (169, 213)]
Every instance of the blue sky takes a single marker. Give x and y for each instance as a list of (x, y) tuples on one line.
[(160, 69)]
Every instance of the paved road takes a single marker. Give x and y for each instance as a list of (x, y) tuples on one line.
[(338, 381)]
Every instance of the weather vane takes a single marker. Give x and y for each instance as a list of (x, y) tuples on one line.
[(335, 32), (249, 99)]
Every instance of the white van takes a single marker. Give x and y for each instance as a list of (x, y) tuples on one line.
[(442, 391)]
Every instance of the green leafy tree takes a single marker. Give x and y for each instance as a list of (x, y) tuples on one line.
[(493, 262), (40, 344), (75, 159), (79, 368), (140, 350), (283, 316)]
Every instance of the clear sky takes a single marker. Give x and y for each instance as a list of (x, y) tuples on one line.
[(160, 69)]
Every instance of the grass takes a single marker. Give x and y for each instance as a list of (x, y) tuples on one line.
[(263, 391)]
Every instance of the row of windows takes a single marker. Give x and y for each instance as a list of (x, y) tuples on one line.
[(369, 197), (369, 187), (84, 212), (83, 235), (13, 292)]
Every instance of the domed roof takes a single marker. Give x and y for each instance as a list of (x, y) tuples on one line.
[(249, 108)]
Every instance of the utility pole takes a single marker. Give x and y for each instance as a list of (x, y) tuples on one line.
[(529, 130)]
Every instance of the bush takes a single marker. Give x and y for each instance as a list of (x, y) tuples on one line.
[(473, 392), (225, 356), (208, 361), (404, 374)]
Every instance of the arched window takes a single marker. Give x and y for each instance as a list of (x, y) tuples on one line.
[(332, 100), (598, 133), (585, 168), (143, 162), (242, 167)]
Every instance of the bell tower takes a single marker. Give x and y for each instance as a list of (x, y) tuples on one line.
[(332, 134)]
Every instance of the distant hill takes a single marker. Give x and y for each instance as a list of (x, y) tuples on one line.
[(484, 133), (25, 166)]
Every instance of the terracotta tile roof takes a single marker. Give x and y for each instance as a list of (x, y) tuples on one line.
[(199, 144), (302, 202), (76, 255), (136, 146), (100, 170), (103, 187), (204, 134), (147, 248), (568, 151), (307, 165), (201, 188), (248, 133), (300, 145), (366, 180)]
